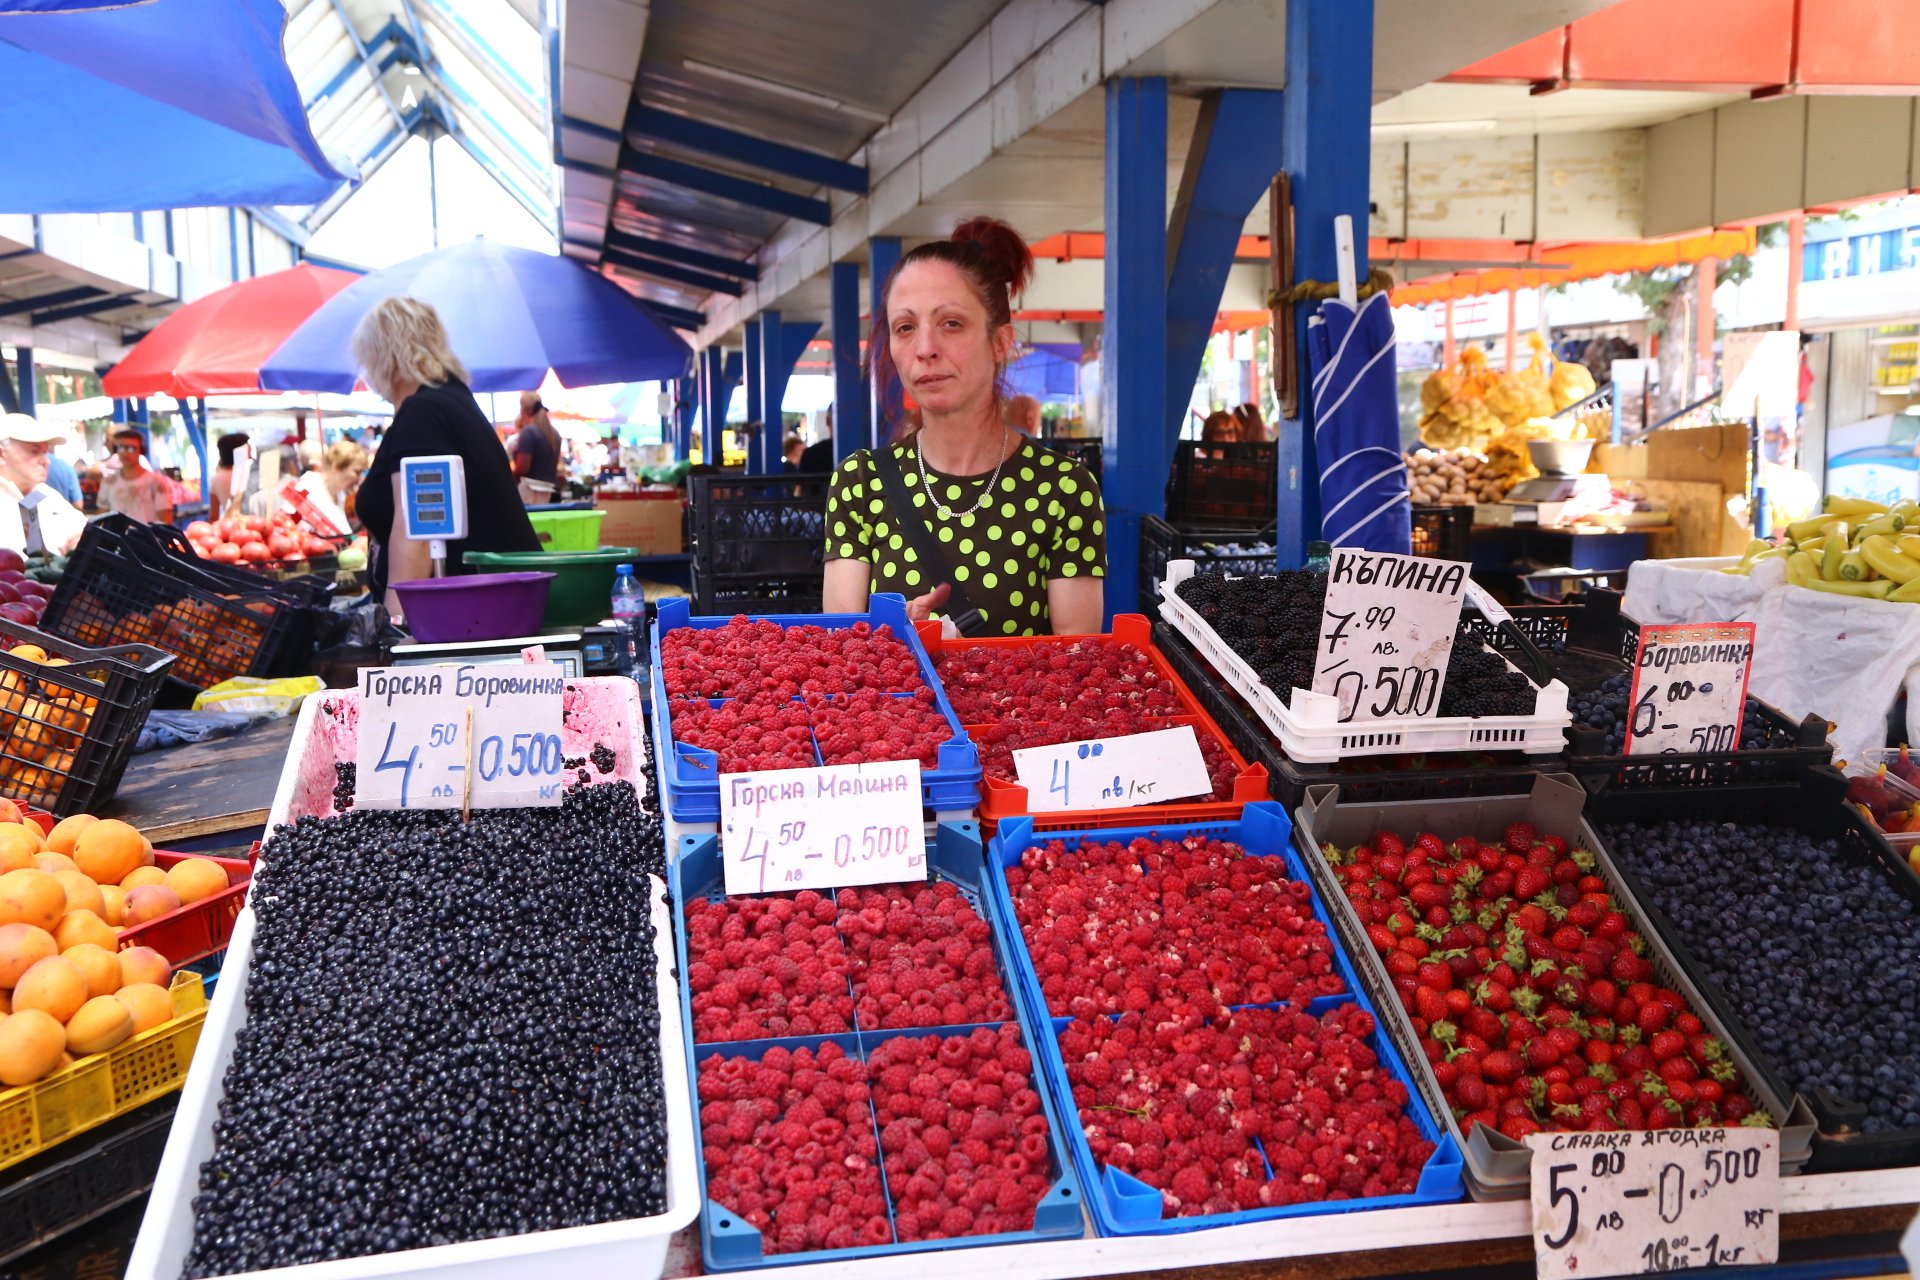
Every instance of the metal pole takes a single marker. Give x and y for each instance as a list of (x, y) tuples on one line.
[(851, 429), (754, 414), (883, 255), (27, 396), (766, 455), (433, 188), (1796, 260)]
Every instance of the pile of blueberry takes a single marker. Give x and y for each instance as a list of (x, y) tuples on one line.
[(1817, 953), (1604, 707), (453, 1033)]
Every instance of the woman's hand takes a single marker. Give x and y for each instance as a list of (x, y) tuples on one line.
[(920, 608)]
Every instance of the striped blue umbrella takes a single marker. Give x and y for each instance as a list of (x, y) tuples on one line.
[(1356, 434)]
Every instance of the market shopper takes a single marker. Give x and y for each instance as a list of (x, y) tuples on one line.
[(402, 350), (220, 493), (535, 449), (1023, 415), (969, 519), (331, 485), (132, 486), (26, 499)]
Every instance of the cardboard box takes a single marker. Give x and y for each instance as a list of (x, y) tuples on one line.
[(651, 524)]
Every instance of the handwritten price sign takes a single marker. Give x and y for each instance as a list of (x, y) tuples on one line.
[(1387, 633), (826, 828), (1624, 1204), (450, 737), (1689, 687), (1114, 773)]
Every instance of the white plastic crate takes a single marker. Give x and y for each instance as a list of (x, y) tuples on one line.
[(598, 710), (1310, 730)]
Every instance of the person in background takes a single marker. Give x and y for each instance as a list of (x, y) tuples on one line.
[(1253, 424), (1023, 415), (135, 489), (220, 485), (25, 445), (792, 452), (63, 479), (1220, 428), (535, 449), (331, 485), (818, 458), (402, 349)]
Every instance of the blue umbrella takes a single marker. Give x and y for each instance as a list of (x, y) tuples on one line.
[(512, 313), (168, 104), (1356, 433)]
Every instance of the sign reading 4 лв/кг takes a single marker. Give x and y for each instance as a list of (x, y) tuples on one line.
[(825, 828), (1625, 1204), (1114, 773), (450, 737), (1689, 687), (1387, 633)]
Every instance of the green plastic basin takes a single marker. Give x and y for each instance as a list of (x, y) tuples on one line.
[(567, 530), (582, 591)]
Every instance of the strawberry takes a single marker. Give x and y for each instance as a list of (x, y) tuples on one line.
[(1447, 1074), (1665, 1044), (1381, 937), (1686, 1023), (1556, 843), (1541, 857), (1736, 1107), (1458, 1001), (1437, 916), (1652, 1017), (1680, 1068), (1502, 1066), (1466, 847), (1560, 1094), (1494, 995), (1429, 1004), (1564, 1040), (1514, 862), (1531, 919), (1542, 1053), (1520, 836), (1416, 874), (1435, 975), (1518, 1127), (1434, 846), (1471, 1092), (1612, 925), (1414, 945), (1596, 1106), (1387, 843), (1601, 996), (1583, 915), (1402, 963), (1488, 857), (1568, 938), (1482, 1022), (1564, 872), (1709, 1090)]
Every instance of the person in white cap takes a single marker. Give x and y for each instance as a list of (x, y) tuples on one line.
[(26, 500)]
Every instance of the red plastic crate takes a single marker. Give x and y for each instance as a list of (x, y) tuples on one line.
[(1001, 799)]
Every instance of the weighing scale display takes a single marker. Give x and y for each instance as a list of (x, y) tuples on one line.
[(434, 491)]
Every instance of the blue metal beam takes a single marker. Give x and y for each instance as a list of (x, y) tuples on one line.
[(686, 402), (28, 394), (667, 251), (713, 402), (59, 297), (851, 431), (1231, 162), (753, 361), (668, 271), (1324, 140), (1133, 357), (678, 317), (714, 140), (885, 410), (81, 309), (781, 345), (727, 187)]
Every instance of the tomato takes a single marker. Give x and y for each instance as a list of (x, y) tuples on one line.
[(283, 546), (227, 553), (200, 529), (254, 552)]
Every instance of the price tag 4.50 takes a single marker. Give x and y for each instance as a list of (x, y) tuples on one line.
[(1114, 773), (1625, 1204), (826, 828), (1387, 633), (454, 737), (1689, 687)]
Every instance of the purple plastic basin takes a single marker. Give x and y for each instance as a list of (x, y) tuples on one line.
[(474, 606)]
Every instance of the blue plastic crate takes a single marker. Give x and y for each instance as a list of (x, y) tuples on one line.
[(729, 1243), (1123, 1205), (691, 775)]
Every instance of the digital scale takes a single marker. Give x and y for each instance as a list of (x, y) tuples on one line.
[(433, 508), (1546, 488)]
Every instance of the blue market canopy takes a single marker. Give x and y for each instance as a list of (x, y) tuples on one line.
[(169, 104)]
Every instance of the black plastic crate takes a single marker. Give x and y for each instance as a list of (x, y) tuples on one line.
[(1087, 453), (1444, 533), (723, 595), (1212, 551), (67, 732), (1370, 780), (1224, 484), (82, 1178), (1815, 804), (758, 524)]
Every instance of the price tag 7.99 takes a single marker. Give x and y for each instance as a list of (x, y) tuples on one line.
[(1387, 633), (1622, 1204), (1689, 687), (448, 737), (825, 828)]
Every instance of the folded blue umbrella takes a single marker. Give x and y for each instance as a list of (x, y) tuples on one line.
[(163, 105), (511, 313), (1356, 434)]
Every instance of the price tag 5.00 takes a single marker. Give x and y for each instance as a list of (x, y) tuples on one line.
[(1689, 687), (1621, 1204), (452, 737)]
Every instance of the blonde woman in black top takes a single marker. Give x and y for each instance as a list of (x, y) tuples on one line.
[(1014, 529)]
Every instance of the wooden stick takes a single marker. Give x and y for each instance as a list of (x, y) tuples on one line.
[(466, 776)]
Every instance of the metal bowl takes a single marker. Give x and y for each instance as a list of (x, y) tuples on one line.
[(1560, 457)]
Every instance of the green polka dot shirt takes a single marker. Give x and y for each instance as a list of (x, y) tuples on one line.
[(1045, 521)]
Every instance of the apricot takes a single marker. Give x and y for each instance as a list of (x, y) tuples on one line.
[(143, 965), (31, 896), (52, 862), (19, 843), (77, 927), (31, 1043), (113, 904), (21, 947), (100, 1024), (99, 966), (148, 902), (110, 850), (150, 1005), (82, 893), (143, 877), (65, 832), (10, 812), (54, 985), (196, 878)]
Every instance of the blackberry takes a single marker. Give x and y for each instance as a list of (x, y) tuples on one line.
[(1604, 707), (446, 1040)]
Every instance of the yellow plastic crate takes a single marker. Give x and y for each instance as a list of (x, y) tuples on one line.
[(101, 1086)]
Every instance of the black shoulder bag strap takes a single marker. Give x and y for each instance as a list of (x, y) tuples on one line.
[(958, 608)]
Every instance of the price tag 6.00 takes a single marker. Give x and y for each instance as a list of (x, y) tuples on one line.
[(1624, 1204), (1114, 773), (826, 828), (1689, 687), (1387, 633), (452, 737)]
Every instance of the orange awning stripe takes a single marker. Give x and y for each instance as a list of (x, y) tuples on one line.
[(1573, 262)]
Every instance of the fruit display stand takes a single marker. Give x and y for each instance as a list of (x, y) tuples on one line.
[(46, 1196)]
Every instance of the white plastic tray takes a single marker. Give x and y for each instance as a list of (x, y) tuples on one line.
[(598, 710), (1310, 730)]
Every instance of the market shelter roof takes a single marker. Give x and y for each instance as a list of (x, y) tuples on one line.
[(1558, 263)]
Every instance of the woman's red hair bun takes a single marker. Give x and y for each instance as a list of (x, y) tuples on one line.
[(1003, 253)]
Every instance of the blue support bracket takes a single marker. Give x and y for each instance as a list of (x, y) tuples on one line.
[(27, 396), (686, 402), (628, 261), (1134, 356), (194, 415), (885, 409), (781, 343), (745, 148), (680, 255), (1325, 142), (754, 414), (741, 191), (678, 317), (80, 309), (851, 430)]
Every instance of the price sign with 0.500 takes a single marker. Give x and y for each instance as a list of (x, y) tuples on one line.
[(1689, 687), (1387, 633)]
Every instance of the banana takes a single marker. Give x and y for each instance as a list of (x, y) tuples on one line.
[(1854, 508), (1830, 551), (1880, 552), (1870, 590), (1907, 509), (1888, 524), (1854, 568)]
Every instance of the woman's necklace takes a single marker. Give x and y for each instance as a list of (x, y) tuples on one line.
[(986, 494)]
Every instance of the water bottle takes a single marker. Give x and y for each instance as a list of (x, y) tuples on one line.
[(629, 611), (1319, 556)]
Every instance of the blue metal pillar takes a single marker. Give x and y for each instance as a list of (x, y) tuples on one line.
[(8, 402), (25, 395), (121, 411), (143, 423), (713, 403), (1134, 349), (850, 403), (686, 403), (1325, 141), (754, 414), (782, 343), (883, 255)]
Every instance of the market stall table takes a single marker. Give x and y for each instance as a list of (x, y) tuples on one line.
[(179, 795)]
